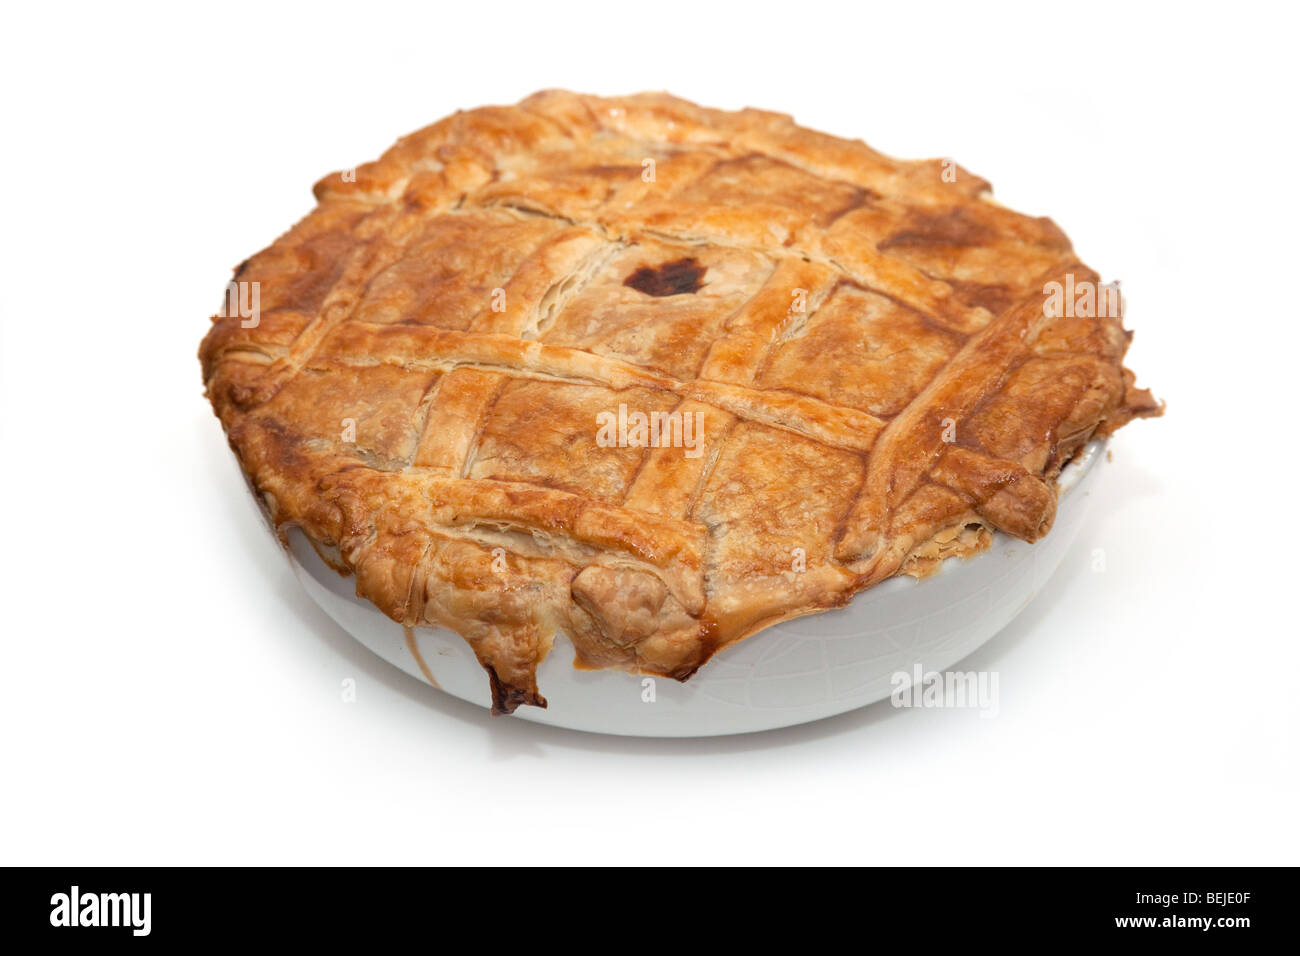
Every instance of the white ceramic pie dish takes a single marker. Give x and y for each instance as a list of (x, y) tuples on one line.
[(791, 673)]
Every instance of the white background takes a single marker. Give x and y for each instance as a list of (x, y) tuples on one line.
[(170, 696)]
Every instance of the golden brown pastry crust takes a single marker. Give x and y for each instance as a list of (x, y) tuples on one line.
[(864, 340)]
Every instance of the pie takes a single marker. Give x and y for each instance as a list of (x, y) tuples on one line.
[(655, 377)]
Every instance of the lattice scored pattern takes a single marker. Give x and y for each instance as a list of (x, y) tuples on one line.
[(862, 340)]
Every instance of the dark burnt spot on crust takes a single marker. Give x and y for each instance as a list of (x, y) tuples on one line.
[(956, 227), (506, 698), (679, 277)]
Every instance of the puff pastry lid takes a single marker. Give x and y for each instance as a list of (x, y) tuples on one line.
[(853, 366)]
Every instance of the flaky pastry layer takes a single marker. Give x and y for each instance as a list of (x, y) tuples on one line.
[(874, 368)]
